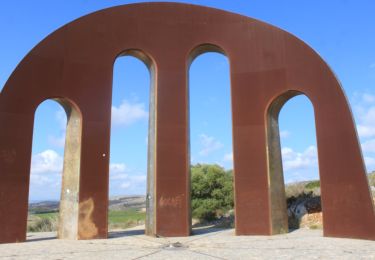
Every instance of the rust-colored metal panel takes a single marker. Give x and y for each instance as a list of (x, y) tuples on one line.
[(75, 64)]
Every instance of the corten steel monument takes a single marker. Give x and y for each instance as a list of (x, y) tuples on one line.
[(268, 66)]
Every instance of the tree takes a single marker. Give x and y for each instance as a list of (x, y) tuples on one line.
[(371, 178), (211, 191)]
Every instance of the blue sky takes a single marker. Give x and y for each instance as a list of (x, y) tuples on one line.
[(342, 32)]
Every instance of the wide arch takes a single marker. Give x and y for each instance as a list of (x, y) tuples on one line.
[(76, 62)]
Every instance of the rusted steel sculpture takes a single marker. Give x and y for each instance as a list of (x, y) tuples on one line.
[(268, 66)]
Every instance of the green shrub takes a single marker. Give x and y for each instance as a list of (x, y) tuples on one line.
[(312, 185), (44, 225), (211, 191), (294, 189), (371, 179)]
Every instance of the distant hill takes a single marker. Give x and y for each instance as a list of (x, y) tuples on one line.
[(115, 203), (127, 202), (139, 201), (44, 206)]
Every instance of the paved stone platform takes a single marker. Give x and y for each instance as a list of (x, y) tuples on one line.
[(206, 243)]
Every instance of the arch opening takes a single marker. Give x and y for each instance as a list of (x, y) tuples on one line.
[(50, 172), (293, 173), (132, 144), (210, 135)]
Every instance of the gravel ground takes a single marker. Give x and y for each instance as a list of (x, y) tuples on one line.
[(206, 243)]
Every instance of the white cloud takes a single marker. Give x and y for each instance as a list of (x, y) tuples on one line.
[(370, 163), (369, 146), (138, 178), (119, 176), (365, 131), (122, 178), (209, 144), (46, 161), (299, 166), (61, 119), (228, 157), (117, 167), (294, 160), (284, 134), (133, 181), (368, 98), (117, 171), (60, 116), (364, 109), (369, 116), (287, 153), (46, 169), (128, 113), (296, 177), (41, 179), (125, 185), (57, 141)]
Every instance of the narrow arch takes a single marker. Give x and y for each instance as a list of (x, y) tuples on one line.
[(204, 48), (208, 94), (149, 62), (143, 56), (278, 205), (68, 219)]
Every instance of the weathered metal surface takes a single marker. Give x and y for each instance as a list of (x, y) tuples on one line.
[(75, 63)]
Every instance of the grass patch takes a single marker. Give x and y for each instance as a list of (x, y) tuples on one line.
[(119, 216), (121, 219), (47, 215), (42, 222), (118, 219), (315, 226)]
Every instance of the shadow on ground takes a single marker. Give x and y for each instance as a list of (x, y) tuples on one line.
[(126, 233), (202, 230), (206, 230), (31, 238)]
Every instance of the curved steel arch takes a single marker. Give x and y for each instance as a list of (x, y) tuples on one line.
[(76, 62)]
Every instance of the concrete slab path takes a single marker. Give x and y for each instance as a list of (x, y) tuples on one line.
[(206, 243)]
